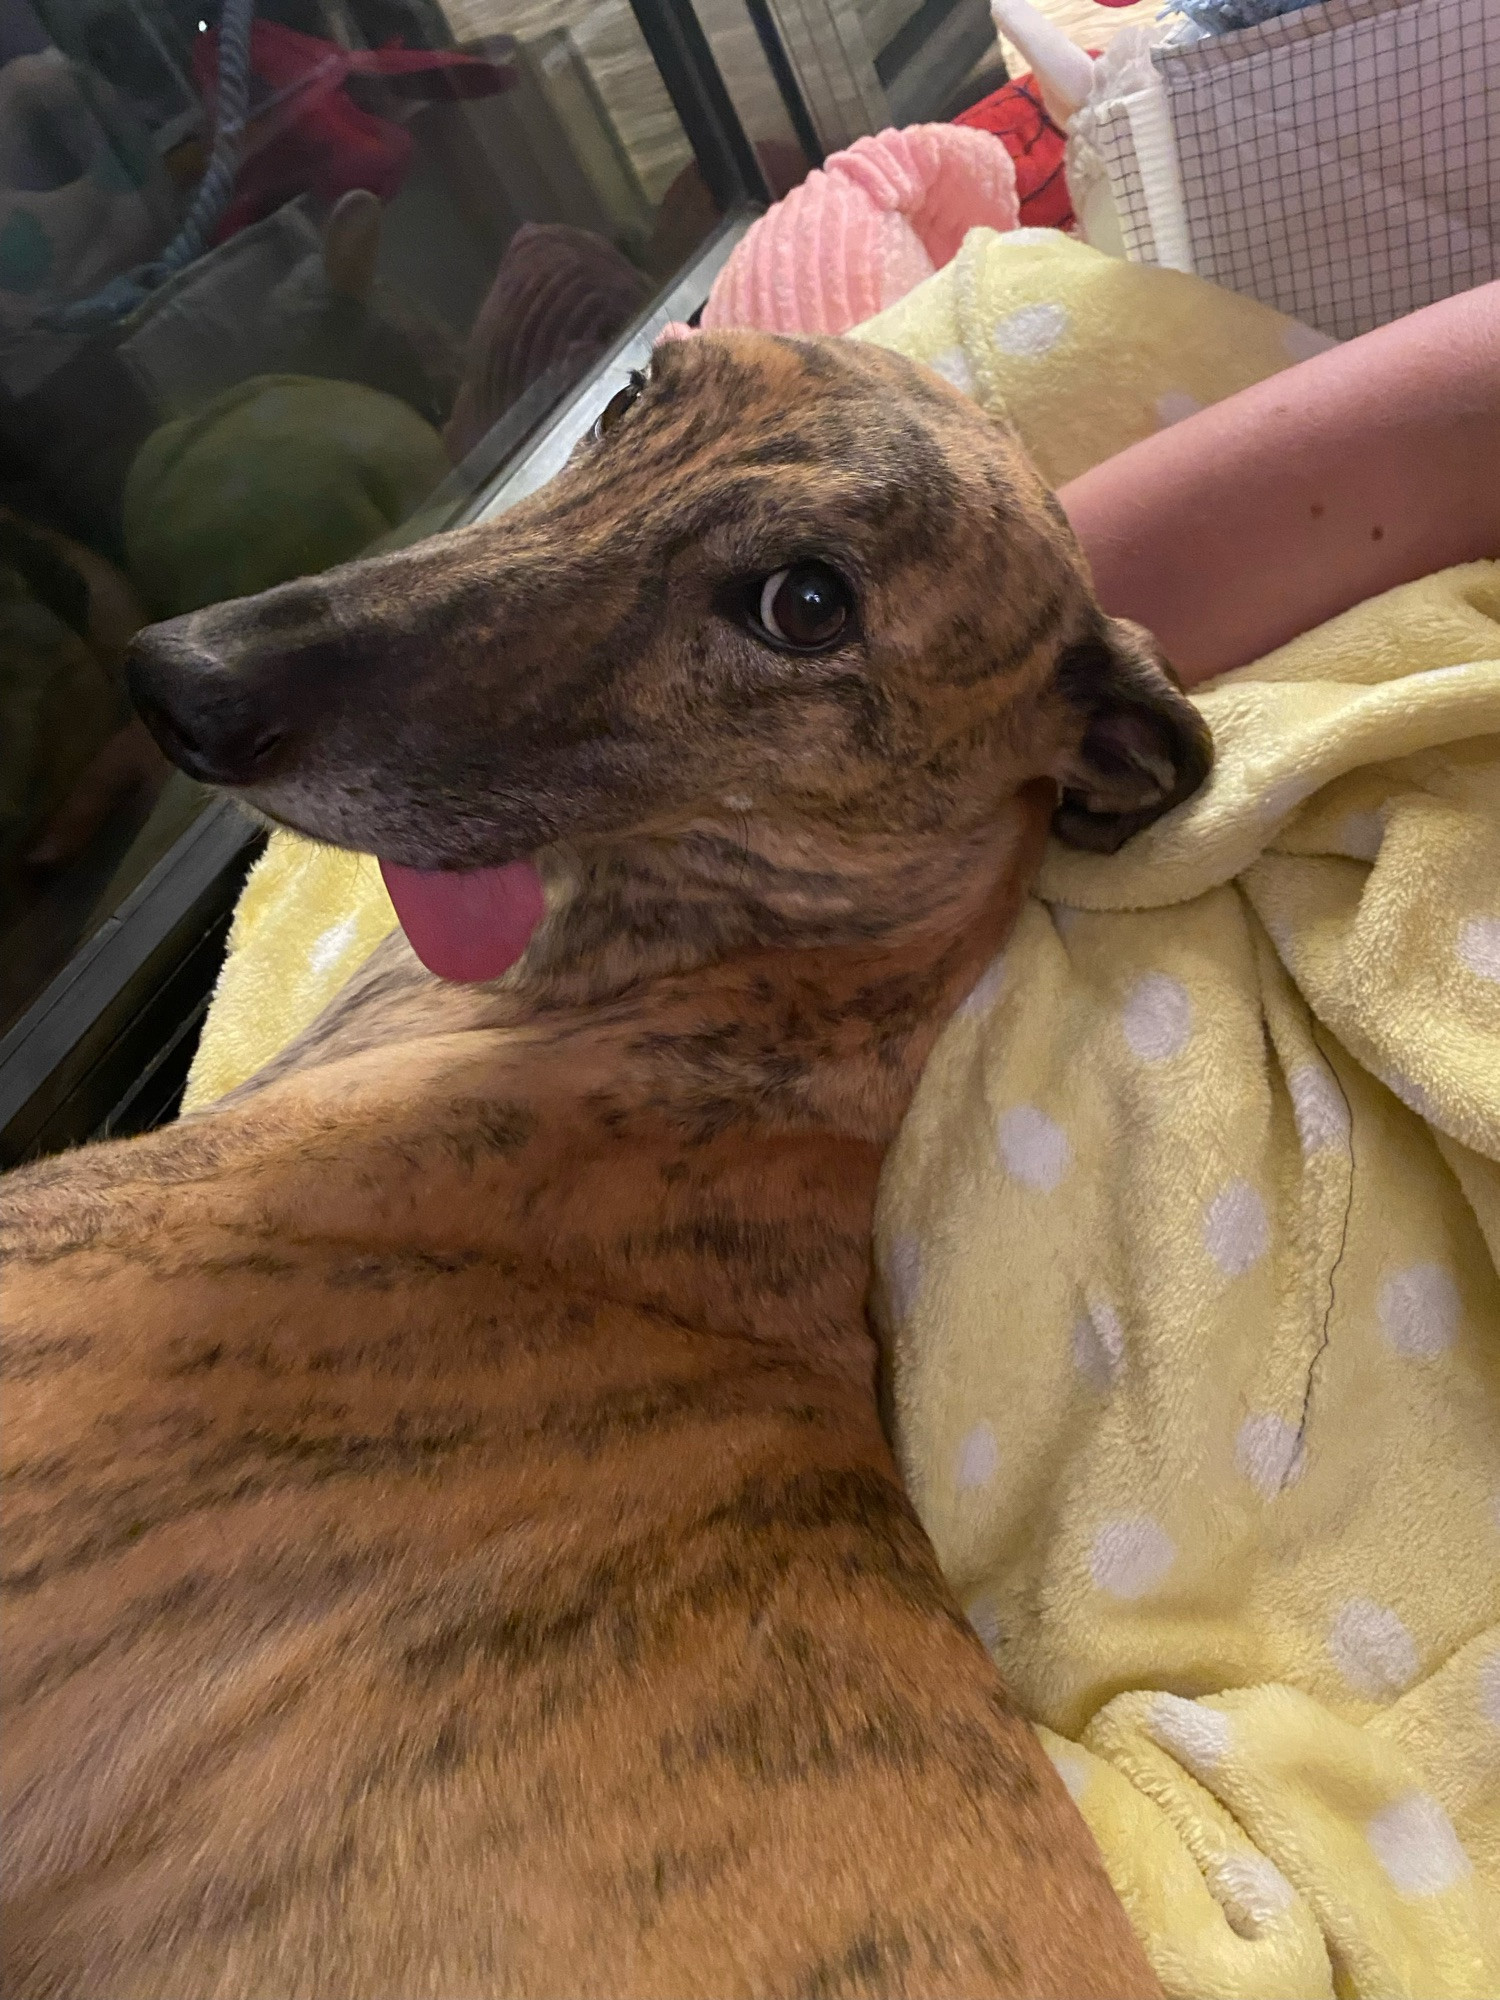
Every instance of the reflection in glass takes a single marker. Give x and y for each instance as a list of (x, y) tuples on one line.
[(270, 272)]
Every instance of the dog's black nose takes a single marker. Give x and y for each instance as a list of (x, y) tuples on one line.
[(217, 724)]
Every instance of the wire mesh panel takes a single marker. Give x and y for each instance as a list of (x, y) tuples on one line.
[(1117, 147), (1125, 133), (1343, 163)]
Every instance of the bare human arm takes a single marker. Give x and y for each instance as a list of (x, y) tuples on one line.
[(1257, 519)]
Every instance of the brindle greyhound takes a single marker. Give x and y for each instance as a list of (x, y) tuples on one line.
[(451, 1544)]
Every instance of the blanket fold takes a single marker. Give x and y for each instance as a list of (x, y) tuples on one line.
[(1188, 1254)]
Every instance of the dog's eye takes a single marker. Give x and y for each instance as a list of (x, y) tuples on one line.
[(618, 404), (806, 606)]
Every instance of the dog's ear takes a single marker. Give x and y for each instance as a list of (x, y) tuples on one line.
[(1143, 748)]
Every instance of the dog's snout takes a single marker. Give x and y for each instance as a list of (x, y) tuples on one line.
[(216, 723)]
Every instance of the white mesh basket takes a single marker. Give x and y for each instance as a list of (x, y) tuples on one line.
[(1341, 164)]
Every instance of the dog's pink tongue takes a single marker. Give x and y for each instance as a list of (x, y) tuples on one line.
[(468, 924)]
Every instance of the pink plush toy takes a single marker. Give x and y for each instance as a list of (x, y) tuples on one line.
[(865, 229)]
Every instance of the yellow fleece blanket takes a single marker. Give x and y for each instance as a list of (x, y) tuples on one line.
[(1085, 354), (1188, 1249)]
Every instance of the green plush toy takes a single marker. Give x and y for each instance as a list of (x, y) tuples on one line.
[(279, 477)]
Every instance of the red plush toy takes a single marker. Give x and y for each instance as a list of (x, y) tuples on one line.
[(308, 136), (1017, 117)]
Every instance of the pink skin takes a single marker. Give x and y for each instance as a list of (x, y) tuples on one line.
[(1257, 519)]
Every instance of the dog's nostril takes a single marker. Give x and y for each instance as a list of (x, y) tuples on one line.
[(209, 741), (209, 716), (238, 693), (169, 737), (220, 750)]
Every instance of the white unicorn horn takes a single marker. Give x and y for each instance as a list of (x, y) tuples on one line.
[(1064, 72)]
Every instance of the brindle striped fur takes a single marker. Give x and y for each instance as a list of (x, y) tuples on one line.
[(451, 1548)]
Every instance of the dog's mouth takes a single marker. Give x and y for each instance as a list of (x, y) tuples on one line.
[(467, 924)]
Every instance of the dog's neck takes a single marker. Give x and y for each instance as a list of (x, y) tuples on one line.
[(624, 914), (703, 979), (635, 1125), (775, 997)]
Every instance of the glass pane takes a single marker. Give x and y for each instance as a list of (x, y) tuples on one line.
[(761, 79), (237, 349), (924, 49), (865, 64)]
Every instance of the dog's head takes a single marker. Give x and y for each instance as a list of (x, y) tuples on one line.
[(791, 593)]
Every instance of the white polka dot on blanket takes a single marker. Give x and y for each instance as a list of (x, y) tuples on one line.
[(1252, 1889), (1236, 1232), (1479, 947), (1372, 1649), (1175, 404), (1319, 1108), (1360, 835), (334, 942), (977, 1459), (1098, 1343), (986, 991), (1157, 1018), (982, 1614), (1269, 1453), (1199, 1738), (1131, 1555), (1415, 1844), (903, 1273), (1033, 1147), (953, 365), (1419, 1309), (1031, 331), (1489, 1688), (1415, 1096), (1301, 342), (1072, 1766)]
